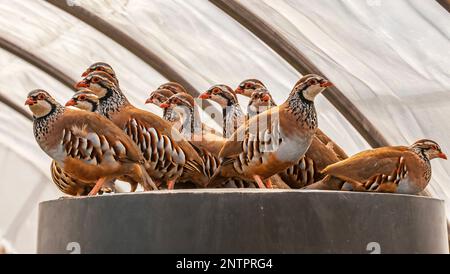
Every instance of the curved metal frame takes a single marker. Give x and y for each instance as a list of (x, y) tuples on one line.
[(127, 42), (15, 107), (296, 59), (37, 62), (445, 4)]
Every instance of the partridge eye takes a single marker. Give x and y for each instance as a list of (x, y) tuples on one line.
[(41, 96), (95, 80), (248, 85), (82, 97), (312, 82), (216, 90)]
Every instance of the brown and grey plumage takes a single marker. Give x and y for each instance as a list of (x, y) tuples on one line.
[(399, 169), (86, 100), (207, 144), (265, 149), (168, 155), (85, 144)]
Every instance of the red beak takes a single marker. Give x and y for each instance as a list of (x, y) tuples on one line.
[(205, 95), (442, 156), (81, 84), (326, 84), (30, 101), (149, 101), (239, 90), (70, 103), (164, 105)]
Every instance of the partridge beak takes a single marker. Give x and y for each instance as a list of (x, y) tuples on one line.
[(30, 101), (164, 105), (266, 98), (149, 101), (239, 90), (205, 95), (81, 84), (70, 103), (86, 73), (442, 156), (326, 84)]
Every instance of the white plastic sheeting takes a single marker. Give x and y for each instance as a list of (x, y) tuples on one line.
[(389, 58), (208, 47), (72, 46)]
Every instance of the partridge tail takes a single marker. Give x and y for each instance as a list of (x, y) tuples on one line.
[(327, 183), (217, 179), (147, 182)]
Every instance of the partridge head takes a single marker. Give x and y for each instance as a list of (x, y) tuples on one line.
[(221, 94), (174, 87), (428, 149), (232, 114), (260, 101), (100, 66), (183, 103), (84, 99), (159, 96), (247, 87)]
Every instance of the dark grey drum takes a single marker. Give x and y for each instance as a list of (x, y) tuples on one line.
[(244, 221)]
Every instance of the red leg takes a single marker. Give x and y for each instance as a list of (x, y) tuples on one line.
[(259, 181), (171, 185), (269, 183), (97, 187)]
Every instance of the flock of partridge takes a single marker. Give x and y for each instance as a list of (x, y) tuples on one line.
[(99, 137)]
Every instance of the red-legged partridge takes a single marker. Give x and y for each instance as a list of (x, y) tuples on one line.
[(168, 155), (322, 152), (86, 100), (86, 145), (276, 139), (70, 185), (233, 116), (398, 169)]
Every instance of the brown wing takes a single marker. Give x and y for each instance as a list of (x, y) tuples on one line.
[(150, 122), (91, 137), (364, 165), (259, 123), (321, 154), (340, 153)]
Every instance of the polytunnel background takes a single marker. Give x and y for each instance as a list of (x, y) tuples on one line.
[(390, 58)]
